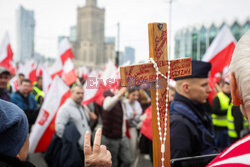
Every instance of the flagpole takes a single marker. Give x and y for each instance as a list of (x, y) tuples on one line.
[(170, 28)]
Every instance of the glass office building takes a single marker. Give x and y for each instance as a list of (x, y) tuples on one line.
[(193, 42)]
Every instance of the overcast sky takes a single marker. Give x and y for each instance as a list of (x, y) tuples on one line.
[(55, 17)]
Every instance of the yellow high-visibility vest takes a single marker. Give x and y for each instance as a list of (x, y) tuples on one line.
[(230, 123), (38, 93), (218, 120)]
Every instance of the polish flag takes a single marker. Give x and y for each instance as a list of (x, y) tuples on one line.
[(65, 51), (95, 86), (83, 72), (69, 74), (220, 51), (219, 54), (6, 54), (109, 75), (237, 155), (44, 128), (90, 88), (29, 70), (47, 80), (32, 71), (39, 70), (56, 69)]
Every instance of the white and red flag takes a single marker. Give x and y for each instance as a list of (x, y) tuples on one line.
[(83, 72), (90, 88), (29, 70), (95, 86), (44, 128), (237, 155), (220, 51), (6, 54), (63, 65), (69, 75), (47, 80), (56, 69), (39, 70), (219, 54), (65, 51)]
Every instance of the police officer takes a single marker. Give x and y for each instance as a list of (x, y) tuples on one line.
[(219, 116), (190, 125)]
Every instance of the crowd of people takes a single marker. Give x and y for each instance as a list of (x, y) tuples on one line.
[(197, 127)]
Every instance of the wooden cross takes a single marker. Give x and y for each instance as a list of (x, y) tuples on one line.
[(135, 75)]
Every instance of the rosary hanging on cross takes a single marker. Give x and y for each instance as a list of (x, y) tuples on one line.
[(159, 125)]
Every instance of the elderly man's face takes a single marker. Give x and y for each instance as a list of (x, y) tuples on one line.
[(77, 95), (4, 78), (199, 90)]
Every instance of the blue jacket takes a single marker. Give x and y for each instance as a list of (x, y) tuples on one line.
[(191, 129), (25, 104)]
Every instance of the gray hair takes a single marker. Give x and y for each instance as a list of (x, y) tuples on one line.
[(240, 66)]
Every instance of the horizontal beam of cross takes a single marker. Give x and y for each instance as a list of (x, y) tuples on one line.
[(135, 75)]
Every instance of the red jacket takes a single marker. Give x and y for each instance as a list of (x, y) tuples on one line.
[(146, 128)]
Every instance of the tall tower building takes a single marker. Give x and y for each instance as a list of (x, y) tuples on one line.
[(25, 34), (89, 46), (130, 55)]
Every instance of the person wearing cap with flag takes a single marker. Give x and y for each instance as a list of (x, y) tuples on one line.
[(4, 78), (190, 124)]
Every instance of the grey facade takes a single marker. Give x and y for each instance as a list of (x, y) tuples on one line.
[(110, 48), (89, 46), (25, 34), (193, 42)]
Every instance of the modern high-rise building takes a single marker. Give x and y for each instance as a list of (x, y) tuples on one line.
[(194, 41), (72, 35), (89, 48), (25, 34), (128, 56)]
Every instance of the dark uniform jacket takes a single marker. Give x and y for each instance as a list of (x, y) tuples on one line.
[(191, 131)]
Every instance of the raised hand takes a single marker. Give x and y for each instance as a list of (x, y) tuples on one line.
[(99, 156)]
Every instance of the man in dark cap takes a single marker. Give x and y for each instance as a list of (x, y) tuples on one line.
[(4, 78), (14, 140), (190, 125)]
